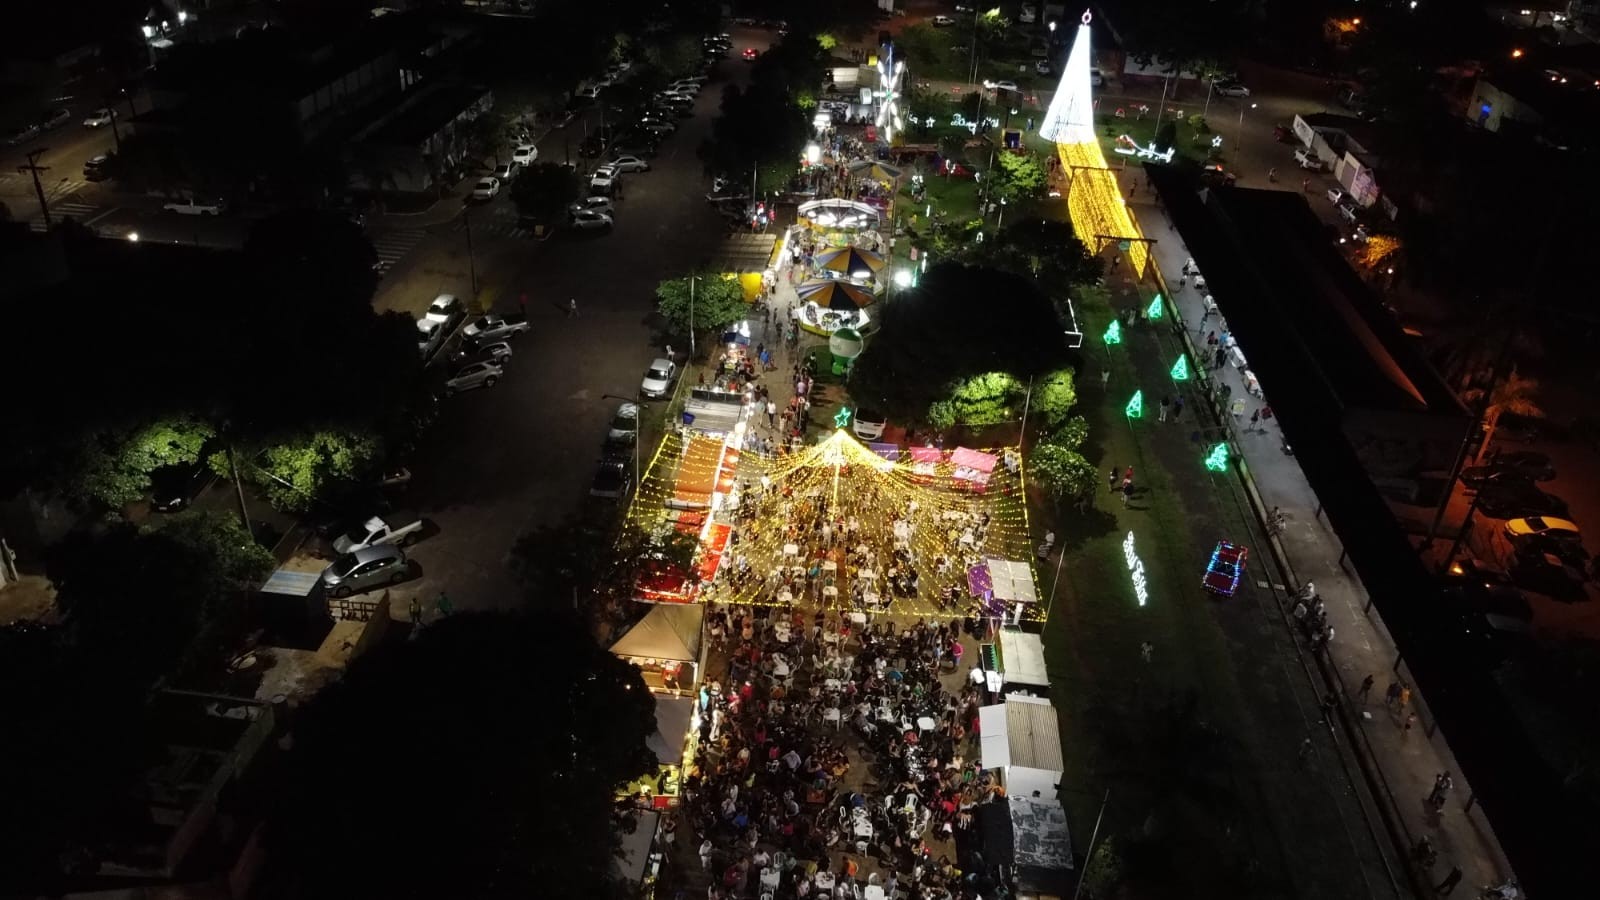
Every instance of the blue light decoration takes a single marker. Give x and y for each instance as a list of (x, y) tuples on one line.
[(1180, 369), (1113, 333), (1155, 310), (1135, 407), (841, 419), (1217, 461), (1225, 569)]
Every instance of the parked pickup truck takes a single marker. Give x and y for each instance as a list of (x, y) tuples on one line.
[(496, 328), (376, 532)]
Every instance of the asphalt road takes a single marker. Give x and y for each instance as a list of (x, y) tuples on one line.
[(503, 460)]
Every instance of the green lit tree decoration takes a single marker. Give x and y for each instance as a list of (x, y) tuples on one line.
[(1154, 310), (1218, 460), (1180, 369), (1113, 333), (841, 419), (1135, 407)]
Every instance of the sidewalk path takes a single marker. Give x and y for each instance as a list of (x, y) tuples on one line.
[(1404, 761)]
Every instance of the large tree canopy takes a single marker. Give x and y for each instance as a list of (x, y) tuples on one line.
[(488, 750), (714, 301), (958, 323)]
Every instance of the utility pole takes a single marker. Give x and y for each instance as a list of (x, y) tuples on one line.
[(472, 263), (691, 318), (111, 110), (35, 169), (238, 489)]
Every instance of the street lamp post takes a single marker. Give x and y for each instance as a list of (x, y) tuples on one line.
[(1238, 135), (691, 318)]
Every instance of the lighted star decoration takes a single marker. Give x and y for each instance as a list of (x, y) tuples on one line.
[(1180, 369), (1135, 407), (1113, 333), (1217, 461), (841, 419), (891, 77), (1155, 310)]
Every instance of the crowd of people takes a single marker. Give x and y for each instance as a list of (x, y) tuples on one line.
[(835, 761)]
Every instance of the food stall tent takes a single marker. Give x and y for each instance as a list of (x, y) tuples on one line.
[(666, 644), (1022, 662), (1021, 739)]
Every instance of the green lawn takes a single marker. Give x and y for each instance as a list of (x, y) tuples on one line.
[(1192, 142)]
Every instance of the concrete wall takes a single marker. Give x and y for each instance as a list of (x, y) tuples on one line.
[(1490, 107)]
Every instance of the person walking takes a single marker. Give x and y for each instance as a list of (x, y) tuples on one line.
[(669, 351), (1164, 404), (1449, 883), (443, 604), (1146, 651), (1405, 695), (1105, 376), (416, 611), (1111, 479), (1391, 694), (772, 414), (1177, 408), (1255, 418), (572, 308), (1127, 492), (522, 304), (1366, 689)]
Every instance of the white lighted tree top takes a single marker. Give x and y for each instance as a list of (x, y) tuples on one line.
[(891, 78), (1070, 118)]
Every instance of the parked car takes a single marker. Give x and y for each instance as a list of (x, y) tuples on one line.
[(195, 207), (750, 54), (1526, 463), (473, 375), (507, 171), (376, 531), (173, 488), (1543, 526), (1308, 160), (589, 91), (1231, 89), (525, 154), (868, 424), (1549, 574), (1043, 67), (603, 179), (446, 309), (629, 164), (657, 125), (943, 21), (96, 169), (1349, 210), (998, 86), (365, 569), (591, 146), (600, 205), (624, 425), (657, 380), (497, 352), (25, 132), (1508, 500), (588, 220), (56, 118), (687, 87), (1095, 78), (612, 480), (100, 118), (487, 188), (430, 337), (496, 327)]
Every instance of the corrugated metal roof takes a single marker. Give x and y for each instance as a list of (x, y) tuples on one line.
[(1034, 734)]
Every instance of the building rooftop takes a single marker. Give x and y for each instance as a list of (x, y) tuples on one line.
[(422, 114)]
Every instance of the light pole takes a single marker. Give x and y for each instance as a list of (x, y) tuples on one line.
[(691, 318), (1239, 132)]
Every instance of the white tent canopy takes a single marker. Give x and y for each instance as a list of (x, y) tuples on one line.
[(631, 865), (1012, 580), (668, 631), (1022, 658)]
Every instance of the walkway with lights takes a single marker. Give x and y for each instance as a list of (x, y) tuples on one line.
[(1406, 758)]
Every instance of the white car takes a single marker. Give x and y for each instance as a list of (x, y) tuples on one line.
[(1095, 78), (430, 336), (685, 88), (1305, 159), (487, 188), (624, 424), (525, 154), (1231, 89), (589, 91), (600, 205), (100, 118), (1002, 86), (193, 207), (629, 164), (658, 378), (868, 424), (943, 21), (478, 374), (1042, 67), (507, 171), (588, 220), (445, 309), (603, 178)]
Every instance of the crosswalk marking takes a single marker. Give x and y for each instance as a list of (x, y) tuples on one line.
[(59, 211), (392, 246)]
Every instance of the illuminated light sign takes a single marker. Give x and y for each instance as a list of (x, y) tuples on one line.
[(841, 418), (1180, 369), (1218, 460), (1135, 407), (1155, 309), (960, 121), (1126, 146), (1141, 588), (1113, 333)]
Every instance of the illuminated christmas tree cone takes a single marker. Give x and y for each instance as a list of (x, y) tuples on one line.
[(1094, 199)]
